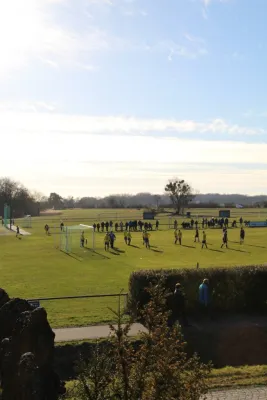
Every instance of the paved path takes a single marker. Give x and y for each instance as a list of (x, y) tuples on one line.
[(21, 231), (257, 393), (90, 332)]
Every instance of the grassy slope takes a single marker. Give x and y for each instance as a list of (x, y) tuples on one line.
[(33, 267)]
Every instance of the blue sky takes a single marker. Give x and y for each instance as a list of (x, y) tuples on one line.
[(109, 96)]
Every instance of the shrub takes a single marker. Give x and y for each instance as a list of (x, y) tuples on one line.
[(233, 289), (158, 369)]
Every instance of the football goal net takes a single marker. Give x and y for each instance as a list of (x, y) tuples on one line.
[(27, 221), (76, 238), (7, 215)]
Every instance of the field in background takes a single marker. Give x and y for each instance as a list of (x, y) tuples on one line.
[(33, 267)]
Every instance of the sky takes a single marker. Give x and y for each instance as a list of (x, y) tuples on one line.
[(119, 96)]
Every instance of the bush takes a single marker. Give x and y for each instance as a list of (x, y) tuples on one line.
[(158, 369), (233, 289)]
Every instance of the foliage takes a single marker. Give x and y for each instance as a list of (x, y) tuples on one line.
[(180, 193), (18, 197), (235, 289), (158, 369)]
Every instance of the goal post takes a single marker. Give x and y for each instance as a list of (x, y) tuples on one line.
[(7, 215), (71, 238), (27, 221)]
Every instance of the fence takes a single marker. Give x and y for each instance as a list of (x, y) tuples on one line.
[(36, 302)]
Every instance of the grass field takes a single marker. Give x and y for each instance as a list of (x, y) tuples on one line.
[(33, 267)]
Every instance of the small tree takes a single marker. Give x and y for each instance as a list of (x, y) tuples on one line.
[(157, 368), (180, 192)]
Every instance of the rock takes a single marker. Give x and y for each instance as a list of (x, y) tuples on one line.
[(27, 354), (4, 298)]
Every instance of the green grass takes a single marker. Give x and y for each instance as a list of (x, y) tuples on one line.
[(235, 377), (33, 267), (224, 378)]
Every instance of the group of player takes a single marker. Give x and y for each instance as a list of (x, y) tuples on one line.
[(178, 237)]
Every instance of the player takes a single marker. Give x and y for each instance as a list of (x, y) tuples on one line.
[(17, 231), (129, 238), (242, 235), (175, 236), (157, 224), (106, 241), (225, 239), (46, 229), (204, 240), (196, 236), (112, 238), (146, 236), (125, 236), (180, 235), (82, 239)]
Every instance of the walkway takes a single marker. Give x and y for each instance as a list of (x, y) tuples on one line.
[(90, 332), (257, 393), (21, 231)]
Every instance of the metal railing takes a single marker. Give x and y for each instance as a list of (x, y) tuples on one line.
[(36, 301)]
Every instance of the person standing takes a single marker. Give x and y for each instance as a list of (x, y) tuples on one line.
[(180, 235), (175, 236), (17, 231), (106, 241), (204, 240), (125, 233), (129, 238), (196, 236), (204, 296), (112, 238), (225, 239), (179, 306), (157, 224), (242, 235)]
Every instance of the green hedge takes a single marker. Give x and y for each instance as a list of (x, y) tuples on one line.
[(233, 289)]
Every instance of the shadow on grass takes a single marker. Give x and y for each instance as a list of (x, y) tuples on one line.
[(118, 250), (156, 251), (114, 253), (250, 245), (217, 251), (153, 247), (239, 251), (136, 247), (73, 255), (189, 247), (102, 256)]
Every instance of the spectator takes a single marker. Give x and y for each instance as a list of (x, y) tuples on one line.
[(94, 226), (204, 296), (157, 224), (102, 226), (98, 227), (179, 309), (107, 226)]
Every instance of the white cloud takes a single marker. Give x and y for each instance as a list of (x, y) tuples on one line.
[(16, 121), (68, 151), (14, 108), (29, 32), (191, 49)]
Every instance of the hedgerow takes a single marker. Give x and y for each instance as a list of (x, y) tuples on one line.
[(233, 289)]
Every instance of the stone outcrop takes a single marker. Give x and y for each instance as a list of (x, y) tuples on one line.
[(26, 353)]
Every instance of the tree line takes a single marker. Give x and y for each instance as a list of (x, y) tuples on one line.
[(177, 194)]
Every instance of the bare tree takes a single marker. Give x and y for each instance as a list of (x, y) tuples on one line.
[(180, 192)]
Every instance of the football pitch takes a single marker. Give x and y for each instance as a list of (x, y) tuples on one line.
[(34, 267)]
